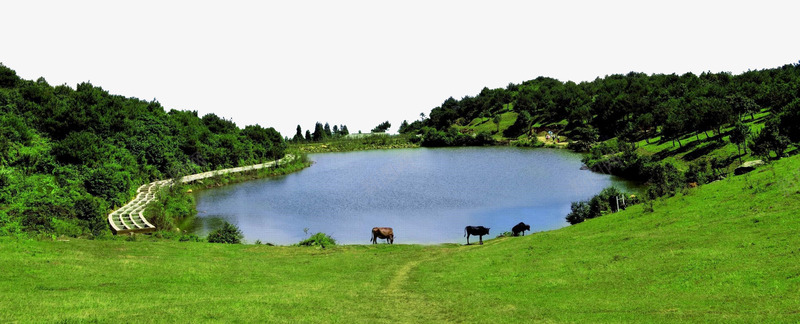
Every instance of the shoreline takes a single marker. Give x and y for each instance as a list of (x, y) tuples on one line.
[(130, 217)]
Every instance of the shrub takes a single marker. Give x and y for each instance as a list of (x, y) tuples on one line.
[(665, 180), (189, 238), (319, 239), (527, 141), (599, 205), (505, 234), (580, 212), (228, 233)]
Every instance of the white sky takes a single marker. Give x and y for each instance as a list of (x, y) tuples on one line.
[(284, 63)]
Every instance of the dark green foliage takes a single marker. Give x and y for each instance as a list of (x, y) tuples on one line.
[(110, 182), (319, 239), (228, 233), (770, 140), (521, 126), (583, 137), (68, 157), (319, 133), (8, 77), (609, 200), (382, 127), (742, 105), (414, 127), (90, 210), (704, 170), (632, 107), (665, 180), (580, 211), (434, 138), (618, 158), (298, 137), (171, 208), (790, 120), (739, 136), (403, 127)]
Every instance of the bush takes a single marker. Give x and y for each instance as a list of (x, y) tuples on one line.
[(599, 205), (171, 208), (665, 180), (505, 234), (580, 212), (527, 141), (228, 233), (189, 238), (319, 239)]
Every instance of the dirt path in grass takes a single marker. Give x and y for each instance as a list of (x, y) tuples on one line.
[(409, 305)]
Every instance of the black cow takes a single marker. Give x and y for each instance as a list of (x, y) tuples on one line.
[(521, 227), (478, 231)]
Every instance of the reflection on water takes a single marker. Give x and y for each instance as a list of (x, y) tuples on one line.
[(426, 195)]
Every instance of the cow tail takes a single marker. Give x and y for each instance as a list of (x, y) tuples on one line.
[(465, 232)]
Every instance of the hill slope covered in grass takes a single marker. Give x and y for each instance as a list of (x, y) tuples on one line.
[(727, 251)]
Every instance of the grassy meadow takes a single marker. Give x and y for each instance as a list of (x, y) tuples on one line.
[(728, 251)]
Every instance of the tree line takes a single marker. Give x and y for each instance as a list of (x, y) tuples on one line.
[(320, 133), (68, 156), (635, 107)]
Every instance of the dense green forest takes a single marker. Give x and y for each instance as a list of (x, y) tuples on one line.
[(630, 107), (68, 156)]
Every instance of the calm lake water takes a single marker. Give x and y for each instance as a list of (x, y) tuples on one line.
[(426, 195)]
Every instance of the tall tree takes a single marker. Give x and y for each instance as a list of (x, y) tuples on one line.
[(319, 132), (298, 137), (739, 136), (403, 127), (382, 127)]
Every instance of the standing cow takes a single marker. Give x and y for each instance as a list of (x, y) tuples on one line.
[(521, 227), (478, 231), (382, 233)]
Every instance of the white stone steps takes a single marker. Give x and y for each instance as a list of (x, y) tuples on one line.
[(130, 217)]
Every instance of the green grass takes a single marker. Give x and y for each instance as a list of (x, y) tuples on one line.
[(486, 124), (728, 251), (695, 146)]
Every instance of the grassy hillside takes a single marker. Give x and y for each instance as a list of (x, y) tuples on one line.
[(727, 251)]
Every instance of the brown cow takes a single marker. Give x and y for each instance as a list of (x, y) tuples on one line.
[(383, 233)]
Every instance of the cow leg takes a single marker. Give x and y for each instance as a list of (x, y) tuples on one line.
[(481, 238), (467, 239)]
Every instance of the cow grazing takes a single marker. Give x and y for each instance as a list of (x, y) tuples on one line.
[(478, 231), (521, 227), (382, 233)]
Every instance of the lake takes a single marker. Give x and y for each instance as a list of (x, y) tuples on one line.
[(427, 195)]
